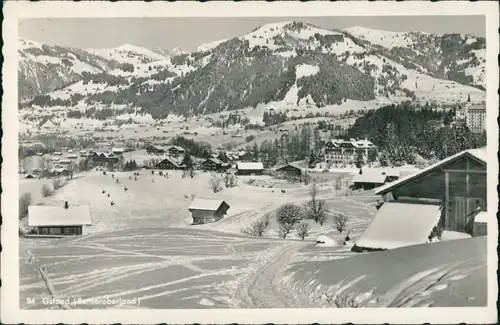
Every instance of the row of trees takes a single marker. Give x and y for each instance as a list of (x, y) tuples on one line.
[(291, 216)]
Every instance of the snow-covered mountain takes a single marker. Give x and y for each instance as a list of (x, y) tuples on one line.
[(286, 64), (456, 57), (43, 68)]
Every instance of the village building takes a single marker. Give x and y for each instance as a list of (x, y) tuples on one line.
[(346, 152), (168, 164), (476, 117), (289, 170), (175, 151), (249, 168), (214, 164), (62, 220), (83, 153), (118, 151), (72, 156), (449, 195), (207, 211), (369, 180), (65, 161), (155, 150)]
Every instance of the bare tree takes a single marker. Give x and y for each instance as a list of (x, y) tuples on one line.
[(257, 228), (24, 203), (46, 190), (216, 184), (316, 209), (23, 166), (43, 163), (57, 183), (340, 222), (230, 180), (303, 230)]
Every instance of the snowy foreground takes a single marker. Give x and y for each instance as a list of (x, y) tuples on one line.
[(181, 268), (144, 248)]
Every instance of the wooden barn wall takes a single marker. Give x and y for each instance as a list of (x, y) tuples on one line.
[(432, 185)]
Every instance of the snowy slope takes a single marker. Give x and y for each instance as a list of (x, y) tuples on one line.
[(434, 53), (128, 53)]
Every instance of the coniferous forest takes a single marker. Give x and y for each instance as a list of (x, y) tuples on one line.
[(402, 130)]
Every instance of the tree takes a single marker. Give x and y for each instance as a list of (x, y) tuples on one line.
[(56, 183), (24, 165), (230, 180), (215, 183), (258, 227), (340, 222), (372, 155), (287, 216), (360, 160), (303, 230), (316, 209), (187, 161), (46, 191), (43, 163), (24, 203)]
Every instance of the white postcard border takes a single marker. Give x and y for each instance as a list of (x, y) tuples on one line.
[(11, 313)]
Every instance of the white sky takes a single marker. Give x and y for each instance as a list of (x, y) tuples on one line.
[(188, 33)]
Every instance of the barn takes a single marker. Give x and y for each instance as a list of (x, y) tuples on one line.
[(249, 168), (447, 195), (214, 164), (369, 180), (290, 170), (207, 211), (61, 220), (168, 164)]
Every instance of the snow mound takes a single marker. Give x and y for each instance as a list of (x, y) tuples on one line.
[(325, 241), (400, 224)]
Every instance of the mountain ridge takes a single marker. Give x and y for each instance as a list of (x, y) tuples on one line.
[(263, 67)]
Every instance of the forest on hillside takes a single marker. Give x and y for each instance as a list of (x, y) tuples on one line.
[(400, 131)]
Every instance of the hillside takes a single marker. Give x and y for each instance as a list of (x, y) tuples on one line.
[(283, 65)]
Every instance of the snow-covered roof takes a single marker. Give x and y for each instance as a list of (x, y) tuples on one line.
[(215, 160), (295, 165), (479, 154), (204, 204), (482, 217), (400, 224), (370, 177), (65, 161), (42, 215), (171, 161), (250, 166), (179, 148)]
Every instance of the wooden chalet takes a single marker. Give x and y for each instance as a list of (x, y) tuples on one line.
[(175, 151), (155, 150), (64, 220), (290, 170), (214, 164), (450, 194), (168, 164), (249, 168), (369, 180), (207, 211)]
